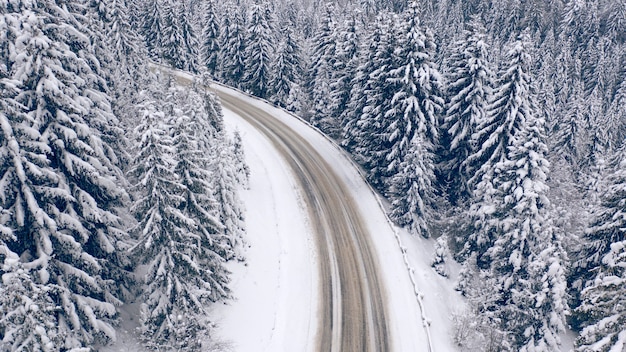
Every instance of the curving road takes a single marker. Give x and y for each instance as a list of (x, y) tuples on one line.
[(353, 314)]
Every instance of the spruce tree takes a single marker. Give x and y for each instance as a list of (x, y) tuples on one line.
[(259, 51), (358, 97), (345, 68), (505, 116), (370, 140), (27, 312), (153, 28), (286, 77), (319, 80), (190, 40), (179, 43), (59, 186), (211, 45), (413, 121), (512, 236), (166, 242), (417, 96), (412, 188), (233, 49), (468, 92), (599, 271)]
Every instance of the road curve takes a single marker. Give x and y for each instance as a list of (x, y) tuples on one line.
[(353, 316)]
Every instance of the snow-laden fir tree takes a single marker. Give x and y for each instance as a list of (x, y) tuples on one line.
[(211, 46), (413, 124), (617, 113), (27, 313), (320, 74), (468, 92), (128, 69), (176, 226), (163, 235), (259, 51), (226, 170), (153, 27), (286, 76), (345, 68), (412, 187), (58, 185), (194, 134), (570, 131), (179, 42), (506, 114), (368, 132), (512, 237), (242, 170), (359, 84), (233, 47), (599, 272), (417, 90), (616, 21)]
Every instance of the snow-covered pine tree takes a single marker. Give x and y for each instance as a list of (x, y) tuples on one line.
[(193, 135), (128, 70), (225, 170), (323, 60), (153, 27), (242, 170), (345, 68), (413, 123), (417, 97), (211, 46), (27, 313), (172, 52), (512, 237), (259, 50), (599, 272), (161, 232), (617, 113), (616, 21), (412, 187), (286, 77), (123, 38), (368, 135), (172, 241), (570, 132), (527, 257), (190, 40), (179, 42), (358, 98), (468, 92), (233, 47), (505, 116), (58, 185)]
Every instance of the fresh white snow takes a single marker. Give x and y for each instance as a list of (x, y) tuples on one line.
[(275, 291)]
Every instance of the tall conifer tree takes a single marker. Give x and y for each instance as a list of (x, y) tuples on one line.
[(59, 186)]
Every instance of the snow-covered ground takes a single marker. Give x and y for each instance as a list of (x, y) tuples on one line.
[(275, 301), (275, 295)]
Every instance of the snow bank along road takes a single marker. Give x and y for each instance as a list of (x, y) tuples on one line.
[(364, 306)]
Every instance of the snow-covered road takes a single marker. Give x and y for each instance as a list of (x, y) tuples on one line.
[(363, 297)]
